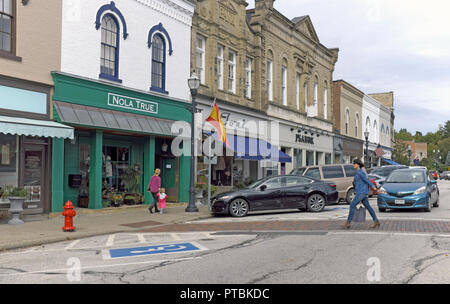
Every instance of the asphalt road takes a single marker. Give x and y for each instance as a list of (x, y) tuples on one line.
[(255, 257)]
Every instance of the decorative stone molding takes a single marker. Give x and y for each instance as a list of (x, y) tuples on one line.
[(170, 9)]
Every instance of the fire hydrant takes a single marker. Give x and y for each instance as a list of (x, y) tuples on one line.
[(69, 213)]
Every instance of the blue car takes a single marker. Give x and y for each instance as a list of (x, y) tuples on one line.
[(408, 189)]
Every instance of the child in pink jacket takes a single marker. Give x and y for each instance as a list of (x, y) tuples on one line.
[(162, 199)]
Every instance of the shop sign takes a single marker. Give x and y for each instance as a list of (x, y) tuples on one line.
[(304, 139), (131, 103)]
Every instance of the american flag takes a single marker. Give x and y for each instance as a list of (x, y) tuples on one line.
[(379, 151)]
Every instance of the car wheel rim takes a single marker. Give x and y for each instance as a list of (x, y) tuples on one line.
[(352, 196), (239, 208), (316, 203)]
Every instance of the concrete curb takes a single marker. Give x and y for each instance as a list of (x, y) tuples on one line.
[(68, 236)]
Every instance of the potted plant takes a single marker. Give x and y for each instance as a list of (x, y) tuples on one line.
[(200, 189), (116, 199), (132, 179), (16, 197)]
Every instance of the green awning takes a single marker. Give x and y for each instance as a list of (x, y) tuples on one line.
[(32, 127)]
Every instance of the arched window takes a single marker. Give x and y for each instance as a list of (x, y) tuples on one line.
[(305, 90), (382, 134), (325, 101), (284, 82), (109, 58), (316, 91), (158, 63), (375, 131), (356, 125), (347, 121)]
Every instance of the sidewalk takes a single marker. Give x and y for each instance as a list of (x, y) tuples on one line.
[(93, 222)]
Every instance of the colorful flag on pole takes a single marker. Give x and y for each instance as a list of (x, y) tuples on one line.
[(379, 151), (216, 121)]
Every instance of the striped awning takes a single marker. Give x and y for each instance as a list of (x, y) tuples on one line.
[(32, 127), (79, 115)]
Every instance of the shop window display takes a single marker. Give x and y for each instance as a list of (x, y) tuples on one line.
[(8, 160)]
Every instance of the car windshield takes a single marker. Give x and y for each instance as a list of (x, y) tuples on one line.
[(415, 176)]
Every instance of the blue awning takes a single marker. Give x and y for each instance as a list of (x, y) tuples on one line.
[(255, 149), (391, 162)]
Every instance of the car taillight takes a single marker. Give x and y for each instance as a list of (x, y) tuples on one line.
[(332, 186)]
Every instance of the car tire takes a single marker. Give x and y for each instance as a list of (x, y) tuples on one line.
[(350, 195), (238, 208), (316, 203), (428, 208)]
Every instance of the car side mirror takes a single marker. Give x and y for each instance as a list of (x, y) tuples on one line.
[(263, 188)]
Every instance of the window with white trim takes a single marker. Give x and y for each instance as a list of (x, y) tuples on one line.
[(347, 121), (297, 91), (305, 90), (6, 25), (269, 80), (356, 125), (232, 72), (325, 102), (248, 78), (200, 58), (219, 67), (284, 86)]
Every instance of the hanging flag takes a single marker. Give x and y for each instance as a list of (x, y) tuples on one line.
[(216, 121), (379, 151)]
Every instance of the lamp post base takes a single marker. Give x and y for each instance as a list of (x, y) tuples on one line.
[(191, 209)]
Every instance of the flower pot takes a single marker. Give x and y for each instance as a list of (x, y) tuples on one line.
[(16, 209), (199, 198)]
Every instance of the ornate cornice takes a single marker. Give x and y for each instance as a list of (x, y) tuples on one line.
[(171, 9)]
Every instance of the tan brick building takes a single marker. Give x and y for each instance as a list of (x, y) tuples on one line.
[(30, 50), (262, 66), (347, 107)]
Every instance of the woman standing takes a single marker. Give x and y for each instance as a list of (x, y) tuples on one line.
[(362, 184), (153, 187)]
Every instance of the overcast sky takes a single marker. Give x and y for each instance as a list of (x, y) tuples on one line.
[(388, 45)]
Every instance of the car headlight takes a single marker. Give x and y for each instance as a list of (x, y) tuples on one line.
[(226, 197), (420, 190), (383, 191)]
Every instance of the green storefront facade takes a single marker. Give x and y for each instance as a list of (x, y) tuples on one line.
[(116, 130)]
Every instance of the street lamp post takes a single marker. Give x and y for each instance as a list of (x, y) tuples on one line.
[(194, 84), (366, 135)]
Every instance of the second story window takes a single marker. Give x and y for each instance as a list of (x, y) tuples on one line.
[(158, 63), (297, 91), (269, 80), (305, 89), (109, 60), (200, 58), (325, 102), (232, 72), (347, 121), (284, 86), (6, 25), (248, 78), (219, 67)]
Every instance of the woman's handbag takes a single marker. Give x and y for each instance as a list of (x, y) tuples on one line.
[(360, 214)]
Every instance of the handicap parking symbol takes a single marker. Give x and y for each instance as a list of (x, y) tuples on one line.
[(152, 250)]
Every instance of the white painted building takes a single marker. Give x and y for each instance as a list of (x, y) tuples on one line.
[(371, 122), (128, 58), (385, 131)]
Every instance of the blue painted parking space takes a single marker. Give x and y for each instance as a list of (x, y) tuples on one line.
[(152, 250)]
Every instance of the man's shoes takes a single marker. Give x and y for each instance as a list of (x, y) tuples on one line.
[(346, 225), (376, 224)]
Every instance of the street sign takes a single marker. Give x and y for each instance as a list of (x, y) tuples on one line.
[(152, 250)]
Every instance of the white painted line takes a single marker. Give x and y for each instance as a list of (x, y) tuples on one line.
[(110, 241), (73, 244), (388, 233), (175, 236), (99, 266), (141, 238)]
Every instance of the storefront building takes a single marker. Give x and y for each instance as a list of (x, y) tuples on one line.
[(307, 146), (122, 84), (27, 132), (117, 131)]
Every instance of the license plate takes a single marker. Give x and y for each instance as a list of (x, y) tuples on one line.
[(400, 202)]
